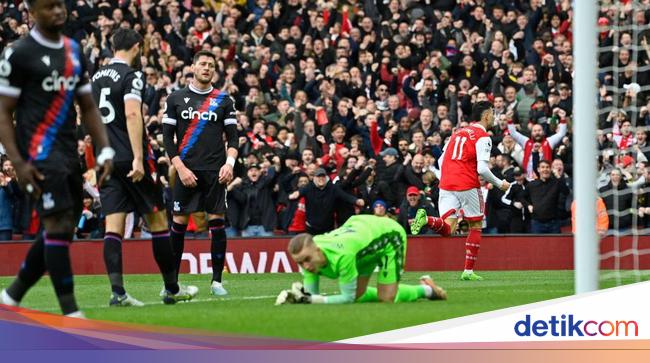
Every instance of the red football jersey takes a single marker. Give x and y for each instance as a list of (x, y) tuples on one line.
[(461, 155)]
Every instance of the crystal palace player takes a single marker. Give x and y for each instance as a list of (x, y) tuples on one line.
[(466, 153), (194, 123), (117, 89), (40, 76)]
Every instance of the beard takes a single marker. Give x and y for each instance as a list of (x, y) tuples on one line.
[(204, 80)]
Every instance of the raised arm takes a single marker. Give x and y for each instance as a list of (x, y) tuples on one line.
[(555, 139), (519, 138)]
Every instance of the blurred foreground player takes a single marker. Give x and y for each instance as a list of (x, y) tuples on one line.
[(40, 77), (195, 121), (464, 158), (117, 89), (350, 254)]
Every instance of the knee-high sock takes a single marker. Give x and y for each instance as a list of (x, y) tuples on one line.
[(218, 247), (31, 270), (472, 245), (57, 261), (164, 255), (113, 261), (405, 293), (439, 225), (177, 238)]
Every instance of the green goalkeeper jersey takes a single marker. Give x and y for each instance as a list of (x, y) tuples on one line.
[(355, 249)]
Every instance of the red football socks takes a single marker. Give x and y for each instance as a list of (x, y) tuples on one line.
[(472, 245)]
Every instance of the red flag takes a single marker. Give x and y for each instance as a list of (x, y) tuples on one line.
[(321, 117), (346, 25)]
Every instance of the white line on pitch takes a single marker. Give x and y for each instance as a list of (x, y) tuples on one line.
[(153, 303)]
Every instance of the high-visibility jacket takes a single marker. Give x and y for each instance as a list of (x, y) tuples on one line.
[(602, 220)]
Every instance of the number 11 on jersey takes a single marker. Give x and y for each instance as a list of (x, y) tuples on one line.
[(458, 148)]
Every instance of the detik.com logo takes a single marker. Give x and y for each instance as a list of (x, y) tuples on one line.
[(569, 326)]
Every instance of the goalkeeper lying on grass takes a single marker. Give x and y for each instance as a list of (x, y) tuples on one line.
[(350, 254)]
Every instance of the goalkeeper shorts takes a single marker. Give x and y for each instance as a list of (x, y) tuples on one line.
[(390, 262)]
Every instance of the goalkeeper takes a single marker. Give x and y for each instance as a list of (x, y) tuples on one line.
[(350, 254)]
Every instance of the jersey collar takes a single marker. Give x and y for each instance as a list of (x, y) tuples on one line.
[(478, 124), (117, 60), (40, 39), (196, 90)]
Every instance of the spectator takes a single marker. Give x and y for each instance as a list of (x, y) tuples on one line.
[(295, 216), (327, 82), (566, 198), (379, 208), (408, 208), (373, 189), (602, 220), (538, 147), (320, 198), (510, 147), (545, 194), (519, 200), (410, 174), (91, 225), (351, 176), (387, 171), (618, 199), (497, 212), (254, 195), (6, 207)]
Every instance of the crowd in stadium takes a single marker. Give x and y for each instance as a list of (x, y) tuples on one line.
[(354, 101)]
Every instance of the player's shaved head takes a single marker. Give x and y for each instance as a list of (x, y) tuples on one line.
[(49, 15), (297, 243)]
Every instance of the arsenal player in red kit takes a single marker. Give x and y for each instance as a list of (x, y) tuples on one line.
[(464, 158)]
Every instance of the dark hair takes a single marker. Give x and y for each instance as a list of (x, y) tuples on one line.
[(338, 126), (479, 109), (125, 39), (203, 53)]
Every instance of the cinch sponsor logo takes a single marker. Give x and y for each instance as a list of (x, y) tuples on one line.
[(55, 82), (569, 326), (190, 113)]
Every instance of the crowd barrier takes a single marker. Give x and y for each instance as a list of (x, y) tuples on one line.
[(262, 255)]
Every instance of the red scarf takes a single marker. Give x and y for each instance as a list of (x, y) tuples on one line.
[(546, 149)]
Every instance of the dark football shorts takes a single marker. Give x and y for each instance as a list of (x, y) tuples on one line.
[(120, 194), (209, 195), (62, 188)]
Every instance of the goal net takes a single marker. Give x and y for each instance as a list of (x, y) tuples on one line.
[(623, 147)]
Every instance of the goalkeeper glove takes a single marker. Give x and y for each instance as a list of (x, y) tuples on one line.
[(296, 295)]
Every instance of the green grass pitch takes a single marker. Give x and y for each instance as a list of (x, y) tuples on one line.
[(249, 310)]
